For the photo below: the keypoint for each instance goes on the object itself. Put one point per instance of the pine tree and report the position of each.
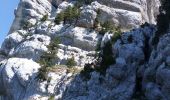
(107, 27)
(71, 62)
(47, 58)
(68, 15)
(59, 18)
(44, 18)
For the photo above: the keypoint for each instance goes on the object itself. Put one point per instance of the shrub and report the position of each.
(53, 46)
(44, 18)
(87, 2)
(85, 73)
(42, 74)
(96, 21)
(107, 27)
(98, 46)
(59, 18)
(73, 70)
(117, 34)
(79, 3)
(52, 97)
(71, 62)
(46, 59)
(107, 58)
(69, 15)
(26, 25)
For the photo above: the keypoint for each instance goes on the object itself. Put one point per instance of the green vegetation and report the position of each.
(52, 97)
(59, 18)
(47, 58)
(109, 27)
(104, 59)
(70, 15)
(116, 34)
(96, 21)
(98, 47)
(107, 58)
(26, 25)
(44, 18)
(85, 73)
(86, 2)
(73, 70)
(71, 62)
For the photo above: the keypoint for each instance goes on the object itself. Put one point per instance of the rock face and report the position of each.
(124, 13)
(16, 75)
(147, 9)
(120, 80)
(140, 71)
(157, 87)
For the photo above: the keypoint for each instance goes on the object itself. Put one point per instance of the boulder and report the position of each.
(16, 75)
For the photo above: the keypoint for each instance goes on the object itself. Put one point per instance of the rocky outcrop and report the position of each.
(19, 81)
(147, 8)
(17, 76)
(139, 71)
(156, 76)
(30, 11)
(120, 81)
(124, 13)
(136, 74)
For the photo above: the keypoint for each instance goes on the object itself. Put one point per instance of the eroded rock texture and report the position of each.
(140, 71)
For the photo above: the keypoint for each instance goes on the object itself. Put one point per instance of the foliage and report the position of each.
(98, 46)
(107, 27)
(52, 97)
(42, 73)
(44, 18)
(117, 34)
(87, 2)
(107, 58)
(73, 70)
(59, 18)
(104, 59)
(69, 15)
(79, 3)
(26, 25)
(96, 21)
(85, 73)
(71, 62)
(53, 46)
(47, 58)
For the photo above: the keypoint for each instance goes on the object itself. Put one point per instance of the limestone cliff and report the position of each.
(138, 70)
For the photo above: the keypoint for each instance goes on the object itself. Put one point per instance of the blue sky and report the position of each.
(7, 15)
